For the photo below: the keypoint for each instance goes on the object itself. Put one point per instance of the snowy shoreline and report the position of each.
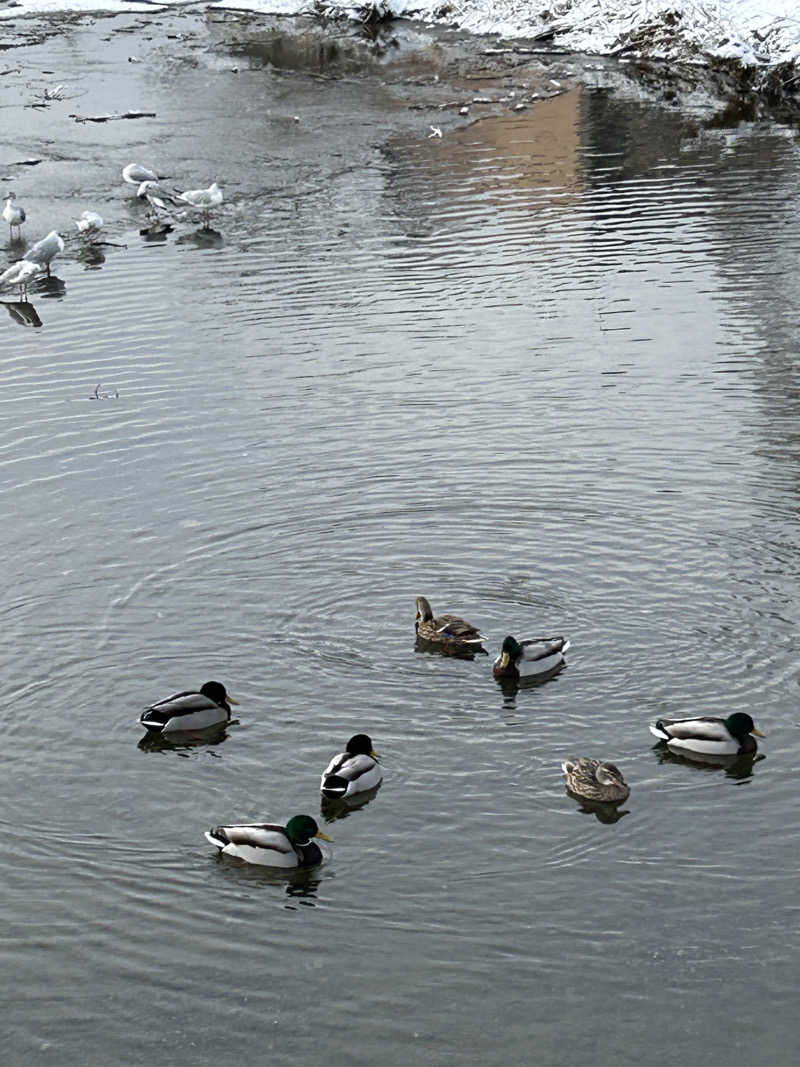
(758, 39)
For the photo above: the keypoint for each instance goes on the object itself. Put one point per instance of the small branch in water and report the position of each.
(114, 117)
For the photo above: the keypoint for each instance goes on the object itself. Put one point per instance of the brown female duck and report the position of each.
(591, 779)
(449, 633)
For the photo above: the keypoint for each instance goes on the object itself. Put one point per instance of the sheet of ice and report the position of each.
(750, 31)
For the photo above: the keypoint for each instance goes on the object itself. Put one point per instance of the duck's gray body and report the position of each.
(538, 655)
(264, 844)
(707, 734)
(184, 711)
(347, 775)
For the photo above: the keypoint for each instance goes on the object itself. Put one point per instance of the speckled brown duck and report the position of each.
(448, 633)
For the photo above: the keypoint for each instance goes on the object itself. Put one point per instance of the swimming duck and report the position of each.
(523, 659)
(190, 710)
(46, 250)
(203, 198)
(591, 779)
(270, 845)
(353, 771)
(14, 216)
(451, 633)
(710, 735)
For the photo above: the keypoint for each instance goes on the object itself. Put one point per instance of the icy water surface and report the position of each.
(540, 369)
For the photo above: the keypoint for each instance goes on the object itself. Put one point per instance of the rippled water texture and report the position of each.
(542, 370)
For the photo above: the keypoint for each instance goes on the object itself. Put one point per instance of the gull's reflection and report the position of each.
(23, 313)
(156, 231)
(91, 255)
(202, 238)
(50, 287)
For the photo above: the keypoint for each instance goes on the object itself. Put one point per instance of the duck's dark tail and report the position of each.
(334, 787)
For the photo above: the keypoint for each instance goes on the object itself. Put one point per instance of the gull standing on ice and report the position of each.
(21, 274)
(133, 174)
(14, 216)
(204, 199)
(89, 224)
(44, 251)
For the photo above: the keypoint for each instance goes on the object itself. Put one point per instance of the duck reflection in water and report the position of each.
(510, 684)
(739, 767)
(22, 312)
(333, 809)
(180, 741)
(603, 812)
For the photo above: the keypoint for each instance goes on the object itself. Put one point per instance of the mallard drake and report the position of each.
(710, 735)
(269, 845)
(353, 771)
(14, 215)
(190, 710)
(449, 632)
(592, 779)
(523, 659)
(46, 250)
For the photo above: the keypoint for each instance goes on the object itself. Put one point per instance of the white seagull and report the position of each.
(21, 274)
(14, 215)
(204, 199)
(89, 224)
(133, 174)
(44, 251)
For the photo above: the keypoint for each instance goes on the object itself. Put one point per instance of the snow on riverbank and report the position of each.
(751, 33)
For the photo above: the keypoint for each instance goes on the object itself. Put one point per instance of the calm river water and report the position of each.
(541, 370)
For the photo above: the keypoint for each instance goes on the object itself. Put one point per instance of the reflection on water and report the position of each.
(738, 767)
(603, 811)
(180, 740)
(545, 365)
(22, 312)
(510, 686)
(205, 237)
(333, 809)
(50, 287)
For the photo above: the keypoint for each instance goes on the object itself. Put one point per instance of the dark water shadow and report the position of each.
(603, 811)
(91, 256)
(181, 741)
(300, 884)
(156, 232)
(737, 767)
(205, 237)
(50, 288)
(21, 312)
(510, 686)
(332, 810)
